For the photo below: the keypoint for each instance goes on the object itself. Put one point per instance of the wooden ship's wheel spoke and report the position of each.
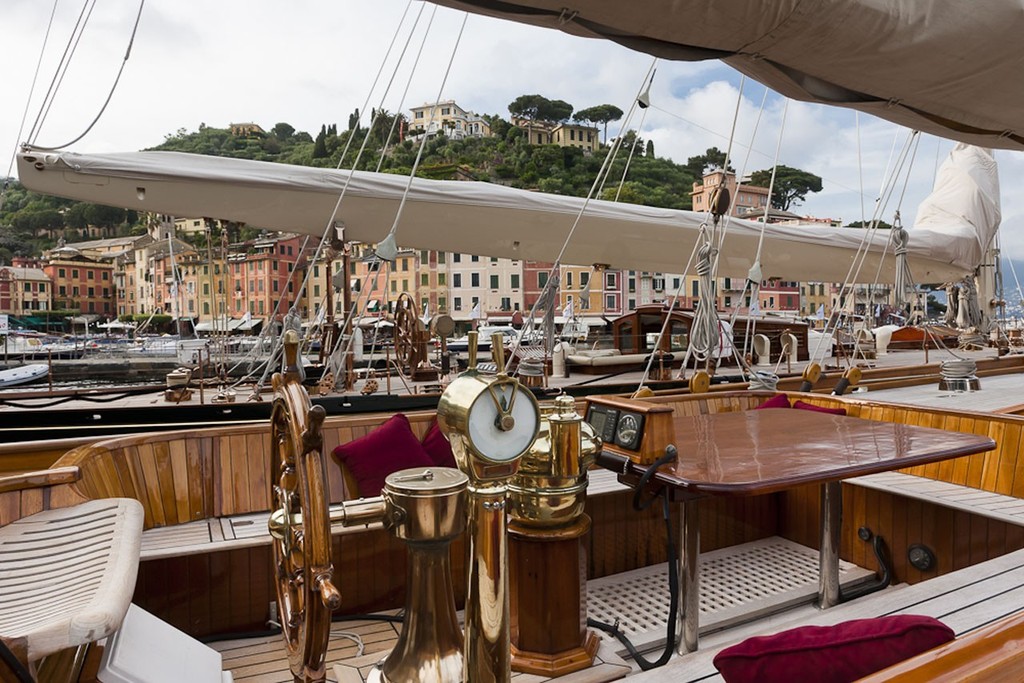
(405, 330)
(299, 524)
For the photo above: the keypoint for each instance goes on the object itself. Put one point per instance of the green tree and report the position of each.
(602, 113)
(555, 110)
(650, 149)
(282, 131)
(353, 120)
(700, 164)
(791, 185)
(320, 145)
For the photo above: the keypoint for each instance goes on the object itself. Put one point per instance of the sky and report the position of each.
(312, 63)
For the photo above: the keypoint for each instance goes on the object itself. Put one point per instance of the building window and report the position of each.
(424, 280)
(456, 279)
(610, 281)
(457, 303)
(515, 281)
(542, 279)
(74, 274)
(405, 264)
(568, 279)
(60, 272)
(474, 279)
(441, 279)
(474, 259)
(494, 282)
(456, 258)
(609, 302)
(695, 288)
(506, 303)
(584, 279)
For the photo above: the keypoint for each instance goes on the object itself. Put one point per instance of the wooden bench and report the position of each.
(68, 571)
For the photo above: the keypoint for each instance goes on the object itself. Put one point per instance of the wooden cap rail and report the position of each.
(988, 655)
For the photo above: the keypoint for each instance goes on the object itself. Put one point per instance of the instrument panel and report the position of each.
(623, 428)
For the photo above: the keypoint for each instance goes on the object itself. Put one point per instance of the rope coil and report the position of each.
(963, 368)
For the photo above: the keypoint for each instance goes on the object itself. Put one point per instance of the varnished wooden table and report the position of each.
(764, 451)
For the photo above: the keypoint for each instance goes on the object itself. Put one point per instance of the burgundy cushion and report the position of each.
(777, 401)
(800, 405)
(831, 654)
(435, 443)
(389, 448)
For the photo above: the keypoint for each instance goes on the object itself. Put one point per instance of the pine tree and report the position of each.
(320, 145)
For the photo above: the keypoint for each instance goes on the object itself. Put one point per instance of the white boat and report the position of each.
(23, 374)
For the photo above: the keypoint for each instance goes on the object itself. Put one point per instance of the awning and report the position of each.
(84, 319)
(244, 325)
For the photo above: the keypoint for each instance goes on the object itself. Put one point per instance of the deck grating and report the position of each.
(740, 583)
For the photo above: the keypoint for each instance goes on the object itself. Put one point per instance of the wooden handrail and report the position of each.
(39, 479)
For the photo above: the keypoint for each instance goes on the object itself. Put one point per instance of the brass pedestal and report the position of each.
(427, 508)
(548, 568)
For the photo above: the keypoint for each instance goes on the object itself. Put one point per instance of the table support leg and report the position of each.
(831, 526)
(689, 579)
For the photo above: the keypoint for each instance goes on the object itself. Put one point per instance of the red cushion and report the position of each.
(388, 448)
(435, 443)
(800, 405)
(777, 401)
(831, 654)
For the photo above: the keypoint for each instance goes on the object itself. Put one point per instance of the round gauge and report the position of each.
(627, 433)
(503, 422)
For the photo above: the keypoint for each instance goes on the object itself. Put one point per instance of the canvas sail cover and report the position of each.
(946, 67)
(479, 218)
(964, 208)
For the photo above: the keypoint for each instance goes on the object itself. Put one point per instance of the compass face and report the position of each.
(628, 431)
(503, 426)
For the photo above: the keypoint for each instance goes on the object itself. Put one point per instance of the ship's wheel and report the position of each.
(407, 332)
(299, 523)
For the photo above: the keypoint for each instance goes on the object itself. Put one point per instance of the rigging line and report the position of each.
(53, 81)
(401, 106)
(113, 87)
(423, 142)
(340, 347)
(751, 326)
(629, 159)
(864, 247)
(606, 169)
(331, 221)
(709, 276)
(28, 103)
(860, 167)
(63, 69)
(831, 181)
(545, 294)
(915, 136)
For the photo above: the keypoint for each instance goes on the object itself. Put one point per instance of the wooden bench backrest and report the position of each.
(184, 476)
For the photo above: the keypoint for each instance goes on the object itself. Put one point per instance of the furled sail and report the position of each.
(473, 217)
(946, 67)
(963, 208)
